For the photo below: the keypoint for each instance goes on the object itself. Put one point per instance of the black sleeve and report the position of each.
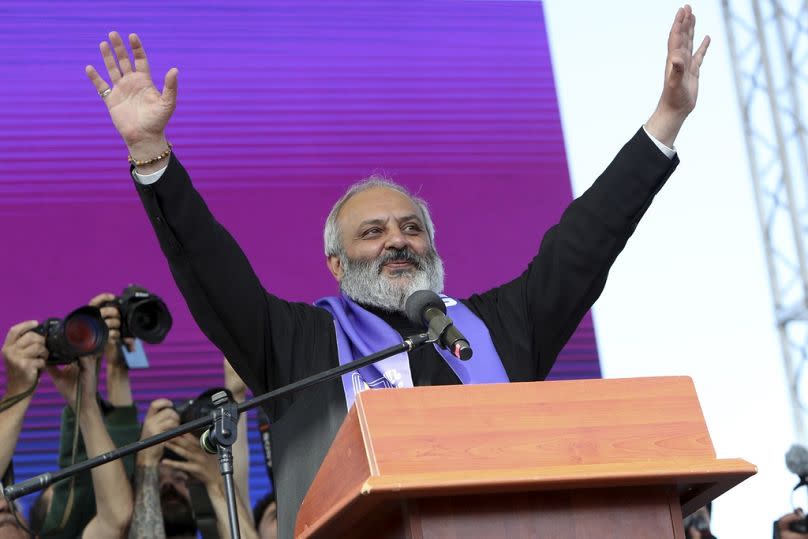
(270, 342)
(532, 317)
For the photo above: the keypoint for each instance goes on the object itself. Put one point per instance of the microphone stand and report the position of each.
(223, 432)
(223, 435)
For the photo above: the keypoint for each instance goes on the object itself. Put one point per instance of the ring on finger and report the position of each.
(105, 93)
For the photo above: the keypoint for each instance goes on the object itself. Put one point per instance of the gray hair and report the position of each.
(331, 232)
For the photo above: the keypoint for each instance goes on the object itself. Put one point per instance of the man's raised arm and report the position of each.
(570, 270)
(580, 250)
(222, 291)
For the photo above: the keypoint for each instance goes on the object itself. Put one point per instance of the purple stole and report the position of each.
(361, 333)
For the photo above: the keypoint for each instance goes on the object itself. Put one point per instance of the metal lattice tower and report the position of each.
(768, 40)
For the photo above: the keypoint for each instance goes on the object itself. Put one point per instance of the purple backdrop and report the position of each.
(282, 104)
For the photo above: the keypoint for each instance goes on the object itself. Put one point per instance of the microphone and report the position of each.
(424, 307)
(797, 462)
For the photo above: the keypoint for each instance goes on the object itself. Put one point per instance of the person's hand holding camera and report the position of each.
(24, 354)
(782, 528)
(82, 373)
(119, 391)
(160, 418)
(202, 466)
(205, 468)
(112, 318)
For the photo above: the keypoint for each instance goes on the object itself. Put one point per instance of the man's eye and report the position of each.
(411, 227)
(371, 231)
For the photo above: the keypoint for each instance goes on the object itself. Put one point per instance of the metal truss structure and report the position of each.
(768, 40)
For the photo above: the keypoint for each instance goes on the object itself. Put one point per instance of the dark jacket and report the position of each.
(271, 342)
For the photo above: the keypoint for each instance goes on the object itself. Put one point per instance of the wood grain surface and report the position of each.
(405, 454)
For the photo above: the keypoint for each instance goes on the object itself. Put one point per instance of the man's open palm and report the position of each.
(682, 68)
(138, 110)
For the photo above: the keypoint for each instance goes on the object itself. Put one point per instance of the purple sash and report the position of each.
(361, 333)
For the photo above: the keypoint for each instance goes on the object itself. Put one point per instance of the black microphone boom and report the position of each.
(39, 482)
(424, 307)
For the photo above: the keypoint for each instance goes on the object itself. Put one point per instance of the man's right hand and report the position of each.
(24, 353)
(160, 418)
(138, 110)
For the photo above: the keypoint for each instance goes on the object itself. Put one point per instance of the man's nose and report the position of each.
(396, 240)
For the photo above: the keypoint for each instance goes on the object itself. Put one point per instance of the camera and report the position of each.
(201, 406)
(143, 315)
(80, 333)
(799, 526)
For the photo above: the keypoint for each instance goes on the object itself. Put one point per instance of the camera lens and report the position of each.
(83, 333)
(150, 321)
(143, 315)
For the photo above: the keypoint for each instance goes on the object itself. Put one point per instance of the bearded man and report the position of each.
(379, 244)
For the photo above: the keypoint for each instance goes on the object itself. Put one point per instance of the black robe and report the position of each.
(271, 342)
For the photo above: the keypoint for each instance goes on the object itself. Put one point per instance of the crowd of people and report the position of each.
(171, 490)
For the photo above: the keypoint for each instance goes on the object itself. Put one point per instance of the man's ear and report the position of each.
(335, 267)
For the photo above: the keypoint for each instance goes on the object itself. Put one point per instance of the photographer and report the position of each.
(113, 496)
(162, 498)
(205, 468)
(67, 508)
(70, 507)
(24, 355)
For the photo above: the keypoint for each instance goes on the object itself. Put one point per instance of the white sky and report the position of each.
(690, 294)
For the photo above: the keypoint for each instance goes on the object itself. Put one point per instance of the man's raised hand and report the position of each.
(138, 110)
(681, 87)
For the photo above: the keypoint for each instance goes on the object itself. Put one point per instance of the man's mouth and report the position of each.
(399, 267)
(399, 264)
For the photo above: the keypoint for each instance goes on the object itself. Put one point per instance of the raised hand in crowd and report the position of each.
(119, 391)
(205, 468)
(113, 497)
(138, 110)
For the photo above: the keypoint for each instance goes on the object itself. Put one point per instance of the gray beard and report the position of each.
(364, 282)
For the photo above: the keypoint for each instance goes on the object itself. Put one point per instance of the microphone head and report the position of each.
(797, 460)
(418, 302)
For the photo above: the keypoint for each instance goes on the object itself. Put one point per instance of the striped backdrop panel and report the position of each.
(282, 104)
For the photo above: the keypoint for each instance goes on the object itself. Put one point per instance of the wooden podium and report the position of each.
(586, 458)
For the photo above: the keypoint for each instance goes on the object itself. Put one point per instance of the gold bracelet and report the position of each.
(166, 153)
